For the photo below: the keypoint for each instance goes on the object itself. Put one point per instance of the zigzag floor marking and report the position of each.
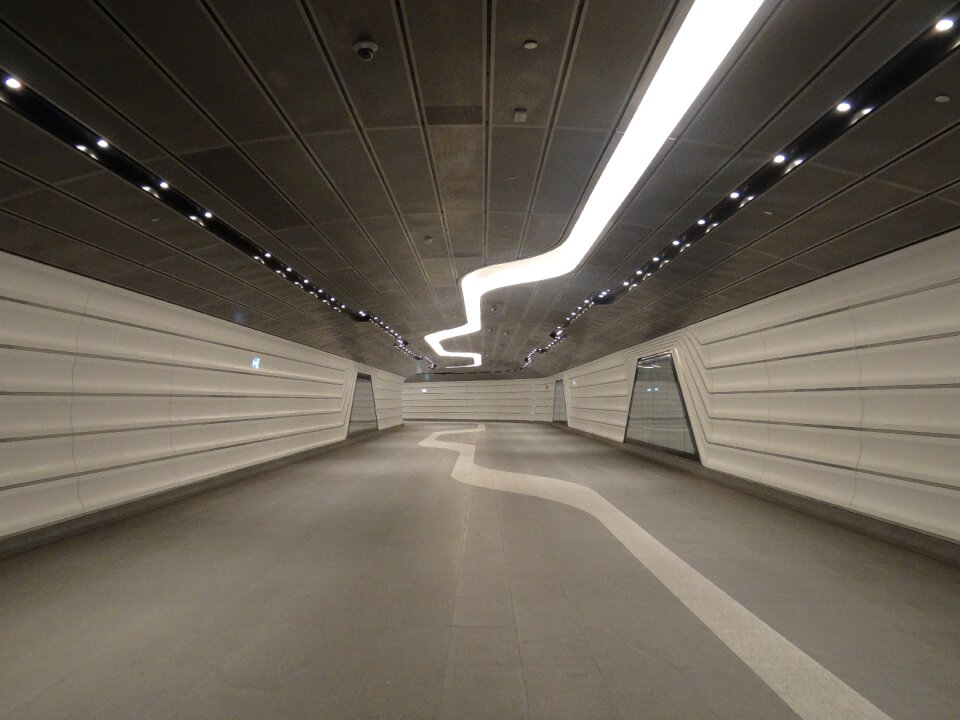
(808, 688)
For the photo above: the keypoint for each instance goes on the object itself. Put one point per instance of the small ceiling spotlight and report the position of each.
(102, 143)
(164, 185)
(942, 99)
(530, 44)
(701, 221)
(675, 243)
(844, 107)
(145, 188)
(266, 254)
(780, 158)
(208, 214)
(734, 195)
(13, 83)
(944, 25)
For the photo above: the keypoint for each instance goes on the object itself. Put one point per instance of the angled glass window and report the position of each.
(363, 412)
(658, 416)
(559, 403)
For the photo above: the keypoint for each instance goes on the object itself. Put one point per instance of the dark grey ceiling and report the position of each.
(387, 181)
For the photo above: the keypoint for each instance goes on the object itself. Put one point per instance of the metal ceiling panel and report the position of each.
(441, 30)
(380, 91)
(615, 41)
(571, 159)
(403, 157)
(299, 76)
(298, 177)
(349, 168)
(458, 153)
(528, 78)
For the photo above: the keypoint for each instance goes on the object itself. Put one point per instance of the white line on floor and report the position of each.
(812, 691)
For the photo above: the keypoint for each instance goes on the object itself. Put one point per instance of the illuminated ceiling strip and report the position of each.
(708, 32)
(925, 52)
(29, 104)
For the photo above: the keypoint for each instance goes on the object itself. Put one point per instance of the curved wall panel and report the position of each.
(529, 400)
(846, 389)
(107, 396)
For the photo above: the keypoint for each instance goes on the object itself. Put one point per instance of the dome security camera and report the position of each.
(365, 49)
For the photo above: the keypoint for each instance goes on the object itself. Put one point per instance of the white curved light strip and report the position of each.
(703, 41)
(806, 686)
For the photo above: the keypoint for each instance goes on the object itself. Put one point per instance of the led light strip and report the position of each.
(708, 32)
(925, 52)
(44, 114)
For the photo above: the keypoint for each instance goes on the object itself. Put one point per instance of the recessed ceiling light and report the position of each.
(675, 242)
(13, 83)
(701, 221)
(844, 107)
(103, 143)
(81, 148)
(208, 214)
(194, 218)
(145, 188)
(700, 45)
(734, 195)
(266, 254)
(944, 25)
(780, 158)
(163, 184)
(530, 44)
(656, 258)
(942, 98)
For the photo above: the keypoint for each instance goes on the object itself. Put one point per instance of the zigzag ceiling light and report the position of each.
(708, 32)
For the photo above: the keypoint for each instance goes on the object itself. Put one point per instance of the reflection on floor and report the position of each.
(367, 582)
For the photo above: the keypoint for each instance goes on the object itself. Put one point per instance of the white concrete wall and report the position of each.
(846, 389)
(530, 400)
(107, 396)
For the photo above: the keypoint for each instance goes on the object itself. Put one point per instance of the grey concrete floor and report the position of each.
(366, 583)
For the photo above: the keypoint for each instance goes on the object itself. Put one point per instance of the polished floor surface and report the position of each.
(367, 582)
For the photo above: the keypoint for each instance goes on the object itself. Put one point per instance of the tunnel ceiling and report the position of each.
(453, 148)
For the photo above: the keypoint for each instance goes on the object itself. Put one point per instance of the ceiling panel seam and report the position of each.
(236, 146)
(171, 155)
(410, 62)
(322, 44)
(255, 76)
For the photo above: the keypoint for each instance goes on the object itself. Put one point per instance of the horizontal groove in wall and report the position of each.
(169, 426)
(170, 333)
(827, 313)
(184, 366)
(175, 456)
